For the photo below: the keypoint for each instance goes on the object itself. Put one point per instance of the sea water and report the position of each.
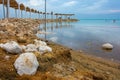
(86, 35)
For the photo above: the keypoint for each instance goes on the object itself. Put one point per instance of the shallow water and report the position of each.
(86, 35)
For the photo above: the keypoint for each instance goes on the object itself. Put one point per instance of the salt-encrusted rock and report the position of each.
(26, 64)
(39, 43)
(30, 48)
(12, 47)
(107, 46)
(43, 49)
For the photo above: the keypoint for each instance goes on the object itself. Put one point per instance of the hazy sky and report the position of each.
(82, 8)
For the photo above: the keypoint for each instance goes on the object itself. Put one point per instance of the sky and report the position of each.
(82, 8)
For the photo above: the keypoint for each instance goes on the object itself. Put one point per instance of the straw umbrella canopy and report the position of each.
(35, 11)
(5, 2)
(32, 10)
(0, 1)
(22, 7)
(27, 9)
(13, 4)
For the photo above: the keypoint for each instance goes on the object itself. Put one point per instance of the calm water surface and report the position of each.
(86, 35)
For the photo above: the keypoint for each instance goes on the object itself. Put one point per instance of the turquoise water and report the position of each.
(87, 35)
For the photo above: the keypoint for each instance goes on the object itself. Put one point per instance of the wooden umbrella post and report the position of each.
(8, 3)
(19, 10)
(21, 14)
(25, 13)
(52, 16)
(3, 8)
(30, 13)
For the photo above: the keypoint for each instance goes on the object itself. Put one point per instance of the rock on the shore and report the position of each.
(42, 46)
(107, 46)
(26, 64)
(30, 48)
(39, 43)
(43, 49)
(38, 46)
(12, 47)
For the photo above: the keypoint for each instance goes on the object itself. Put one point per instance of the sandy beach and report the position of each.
(61, 64)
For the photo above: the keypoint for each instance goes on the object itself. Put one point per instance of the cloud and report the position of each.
(114, 11)
(70, 3)
(36, 3)
(91, 8)
(97, 5)
(54, 0)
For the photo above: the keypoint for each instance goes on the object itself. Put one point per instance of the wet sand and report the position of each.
(61, 64)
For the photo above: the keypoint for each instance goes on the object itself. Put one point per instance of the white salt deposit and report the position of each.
(27, 64)
(39, 43)
(44, 49)
(30, 48)
(11, 47)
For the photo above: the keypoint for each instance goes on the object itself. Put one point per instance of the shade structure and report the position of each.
(0, 1)
(56, 15)
(27, 9)
(22, 7)
(32, 10)
(13, 4)
(36, 11)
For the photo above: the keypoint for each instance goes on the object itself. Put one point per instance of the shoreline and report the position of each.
(61, 64)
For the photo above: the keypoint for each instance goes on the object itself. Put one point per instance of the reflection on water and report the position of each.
(51, 26)
(86, 35)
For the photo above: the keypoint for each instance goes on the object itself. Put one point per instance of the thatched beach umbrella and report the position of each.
(35, 12)
(28, 10)
(22, 7)
(43, 15)
(51, 15)
(32, 10)
(40, 13)
(0, 1)
(14, 5)
(56, 14)
(60, 16)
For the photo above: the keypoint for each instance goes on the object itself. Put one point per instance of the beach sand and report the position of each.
(61, 64)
